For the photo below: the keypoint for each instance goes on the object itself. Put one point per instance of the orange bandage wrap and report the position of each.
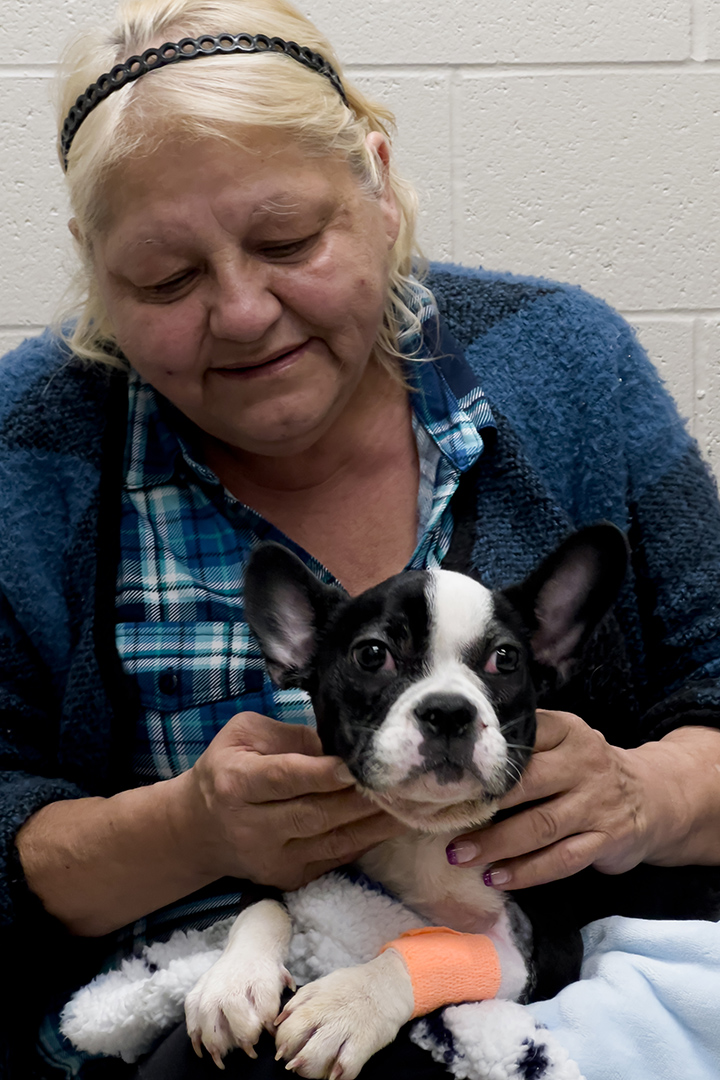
(447, 968)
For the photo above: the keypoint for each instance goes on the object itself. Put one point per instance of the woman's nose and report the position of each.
(244, 305)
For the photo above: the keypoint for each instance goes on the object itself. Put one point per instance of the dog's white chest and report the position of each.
(415, 868)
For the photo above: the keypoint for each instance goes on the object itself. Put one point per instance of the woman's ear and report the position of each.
(378, 146)
(75, 230)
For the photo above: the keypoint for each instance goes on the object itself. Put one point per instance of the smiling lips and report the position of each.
(274, 363)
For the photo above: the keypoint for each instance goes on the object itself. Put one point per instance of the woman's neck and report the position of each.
(351, 499)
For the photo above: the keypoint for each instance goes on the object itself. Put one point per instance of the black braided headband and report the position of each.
(187, 49)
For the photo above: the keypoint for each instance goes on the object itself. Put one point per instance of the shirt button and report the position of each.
(168, 682)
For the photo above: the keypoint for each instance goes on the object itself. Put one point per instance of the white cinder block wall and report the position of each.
(578, 139)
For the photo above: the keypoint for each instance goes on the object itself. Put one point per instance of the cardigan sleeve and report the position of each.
(674, 518)
(28, 742)
(53, 415)
(36, 948)
(587, 432)
(54, 711)
(621, 451)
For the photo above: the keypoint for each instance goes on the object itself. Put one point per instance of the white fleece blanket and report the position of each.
(646, 1007)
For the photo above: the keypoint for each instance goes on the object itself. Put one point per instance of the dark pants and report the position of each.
(175, 1059)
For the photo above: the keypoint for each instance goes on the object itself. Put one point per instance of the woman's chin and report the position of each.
(264, 433)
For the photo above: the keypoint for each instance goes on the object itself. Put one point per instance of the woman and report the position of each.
(265, 365)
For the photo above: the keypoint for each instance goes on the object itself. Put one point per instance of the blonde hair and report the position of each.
(220, 97)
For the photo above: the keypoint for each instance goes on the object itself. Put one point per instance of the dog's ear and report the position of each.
(286, 607)
(566, 597)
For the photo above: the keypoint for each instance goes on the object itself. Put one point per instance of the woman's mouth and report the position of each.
(277, 363)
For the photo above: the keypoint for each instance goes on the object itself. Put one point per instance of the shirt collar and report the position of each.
(160, 440)
(445, 395)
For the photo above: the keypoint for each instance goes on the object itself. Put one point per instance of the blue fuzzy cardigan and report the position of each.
(585, 431)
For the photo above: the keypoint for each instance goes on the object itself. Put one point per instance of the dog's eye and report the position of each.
(373, 656)
(503, 661)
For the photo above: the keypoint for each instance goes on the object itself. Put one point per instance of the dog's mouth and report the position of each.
(438, 779)
(426, 803)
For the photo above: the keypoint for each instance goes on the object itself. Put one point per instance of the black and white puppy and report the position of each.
(425, 687)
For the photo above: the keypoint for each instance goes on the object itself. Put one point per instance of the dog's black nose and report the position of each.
(446, 713)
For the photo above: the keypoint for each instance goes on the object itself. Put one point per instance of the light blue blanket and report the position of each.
(648, 1004)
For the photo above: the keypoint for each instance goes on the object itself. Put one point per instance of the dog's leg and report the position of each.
(240, 994)
(332, 1026)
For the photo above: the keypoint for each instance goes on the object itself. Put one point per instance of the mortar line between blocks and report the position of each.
(27, 71)
(21, 328)
(483, 70)
(698, 31)
(526, 70)
(678, 315)
(699, 377)
(456, 166)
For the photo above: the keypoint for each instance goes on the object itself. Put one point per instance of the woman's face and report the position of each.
(247, 285)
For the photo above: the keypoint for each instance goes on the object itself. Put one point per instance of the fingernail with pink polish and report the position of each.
(493, 878)
(461, 851)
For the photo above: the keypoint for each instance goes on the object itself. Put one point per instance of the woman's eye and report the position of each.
(373, 656)
(288, 249)
(503, 661)
(171, 286)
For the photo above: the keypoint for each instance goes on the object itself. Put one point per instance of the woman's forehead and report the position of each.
(268, 180)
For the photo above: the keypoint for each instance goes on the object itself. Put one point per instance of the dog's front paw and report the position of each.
(333, 1026)
(231, 1004)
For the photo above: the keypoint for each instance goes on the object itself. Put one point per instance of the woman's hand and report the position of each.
(263, 802)
(590, 803)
